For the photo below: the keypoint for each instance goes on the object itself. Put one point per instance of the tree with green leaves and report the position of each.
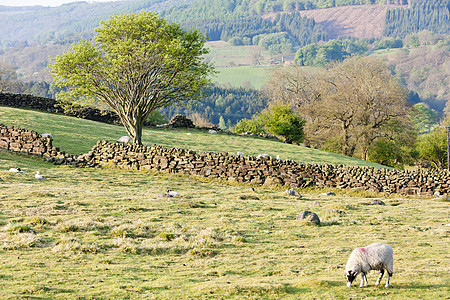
(432, 147)
(277, 119)
(137, 63)
(283, 122)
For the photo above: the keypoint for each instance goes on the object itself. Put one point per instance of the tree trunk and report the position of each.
(137, 139)
(134, 130)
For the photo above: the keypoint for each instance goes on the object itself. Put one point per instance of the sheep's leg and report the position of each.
(389, 274)
(363, 279)
(381, 276)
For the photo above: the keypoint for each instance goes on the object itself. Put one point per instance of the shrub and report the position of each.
(282, 121)
(248, 126)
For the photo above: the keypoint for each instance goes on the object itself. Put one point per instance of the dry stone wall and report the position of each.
(262, 171)
(265, 170)
(51, 105)
(30, 142)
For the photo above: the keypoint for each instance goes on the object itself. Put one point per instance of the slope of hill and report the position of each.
(70, 21)
(76, 136)
(360, 21)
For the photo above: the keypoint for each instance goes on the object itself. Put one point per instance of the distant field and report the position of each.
(236, 65)
(223, 54)
(78, 136)
(245, 76)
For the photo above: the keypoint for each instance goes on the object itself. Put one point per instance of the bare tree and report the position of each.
(347, 106)
(8, 79)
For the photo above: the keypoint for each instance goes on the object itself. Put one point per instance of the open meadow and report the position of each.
(112, 234)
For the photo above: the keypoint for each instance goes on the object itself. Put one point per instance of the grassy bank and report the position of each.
(78, 136)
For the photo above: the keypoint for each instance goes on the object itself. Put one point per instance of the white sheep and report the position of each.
(376, 256)
(124, 139)
(38, 175)
(171, 193)
(47, 135)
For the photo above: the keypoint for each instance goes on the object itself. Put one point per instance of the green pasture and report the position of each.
(244, 76)
(222, 54)
(112, 234)
(77, 136)
(235, 65)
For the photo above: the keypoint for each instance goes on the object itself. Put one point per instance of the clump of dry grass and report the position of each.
(72, 244)
(20, 241)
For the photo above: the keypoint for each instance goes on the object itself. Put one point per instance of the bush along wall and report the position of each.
(261, 171)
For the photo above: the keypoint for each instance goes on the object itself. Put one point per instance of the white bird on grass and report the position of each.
(38, 175)
(15, 170)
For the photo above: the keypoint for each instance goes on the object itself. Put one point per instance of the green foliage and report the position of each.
(392, 153)
(249, 126)
(232, 104)
(276, 43)
(235, 26)
(156, 118)
(222, 124)
(432, 147)
(138, 63)
(334, 50)
(236, 41)
(282, 121)
(279, 120)
(423, 117)
(388, 43)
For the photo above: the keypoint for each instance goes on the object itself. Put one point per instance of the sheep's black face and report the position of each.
(351, 275)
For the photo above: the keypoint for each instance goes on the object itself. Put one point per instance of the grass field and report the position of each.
(77, 136)
(235, 65)
(109, 234)
(244, 76)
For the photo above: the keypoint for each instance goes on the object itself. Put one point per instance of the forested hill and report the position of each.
(431, 15)
(68, 22)
(222, 19)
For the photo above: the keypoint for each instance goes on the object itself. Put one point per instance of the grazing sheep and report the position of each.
(376, 256)
(212, 131)
(14, 170)
(45, 135)
(124, 139)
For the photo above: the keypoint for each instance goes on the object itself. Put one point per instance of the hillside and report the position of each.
(359, 21)
(77, 136)
(68, 22)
